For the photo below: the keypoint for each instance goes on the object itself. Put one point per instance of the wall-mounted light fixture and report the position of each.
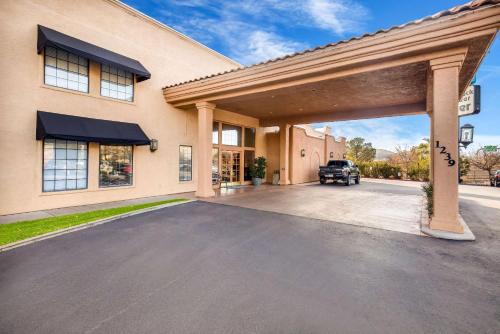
(331, 154)
(302, 152)
(153, 145)
(466, 135)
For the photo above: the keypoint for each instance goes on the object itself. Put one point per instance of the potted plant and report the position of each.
(258, 170)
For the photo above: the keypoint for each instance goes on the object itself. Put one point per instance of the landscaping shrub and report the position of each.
(379, 169)
(428, 190)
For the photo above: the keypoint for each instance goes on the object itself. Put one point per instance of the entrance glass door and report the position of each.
(230, 167)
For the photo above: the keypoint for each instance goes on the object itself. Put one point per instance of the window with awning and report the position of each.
(49, 37)
(68, 127)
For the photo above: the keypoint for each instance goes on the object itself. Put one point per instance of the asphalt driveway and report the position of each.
(210, 268)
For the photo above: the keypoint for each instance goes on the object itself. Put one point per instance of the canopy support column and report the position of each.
(284, 153)
(444, 145)
(205, 124)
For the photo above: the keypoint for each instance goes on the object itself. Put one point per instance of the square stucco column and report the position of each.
(205, 124)
(284, 154)
(444, 145)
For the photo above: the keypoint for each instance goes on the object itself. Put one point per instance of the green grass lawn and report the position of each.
(29, 228)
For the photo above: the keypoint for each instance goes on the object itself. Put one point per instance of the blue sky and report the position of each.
(251, 31)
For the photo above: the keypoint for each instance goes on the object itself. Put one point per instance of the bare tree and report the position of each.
(405, 157)
(485, 160)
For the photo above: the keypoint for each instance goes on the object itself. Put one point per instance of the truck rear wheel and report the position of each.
(322, 180)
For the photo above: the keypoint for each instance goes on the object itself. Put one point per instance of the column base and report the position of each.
(447, 225)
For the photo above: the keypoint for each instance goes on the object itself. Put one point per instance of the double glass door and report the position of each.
(230, 167)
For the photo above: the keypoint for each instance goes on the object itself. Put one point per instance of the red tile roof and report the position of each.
(469, 6)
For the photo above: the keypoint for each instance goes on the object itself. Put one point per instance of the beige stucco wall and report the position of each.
(305, 169)
(336, 147)
(273, 154)
(169, 56)
(317, 146)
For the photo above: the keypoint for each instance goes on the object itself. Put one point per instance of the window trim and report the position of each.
(115, 98)
(191, 163)
(64, 190)
(87, 92)
(99, 168)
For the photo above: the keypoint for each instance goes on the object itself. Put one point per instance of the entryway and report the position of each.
(230, 167)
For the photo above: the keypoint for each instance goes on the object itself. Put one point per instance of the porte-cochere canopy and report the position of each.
(385, 73)
(423, 66)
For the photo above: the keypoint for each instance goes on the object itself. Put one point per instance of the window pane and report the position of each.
(60, 185)
(49, 175)
(115, 166)
(215, 160)
(249, 137)
(61, 68)
(231, 135)
(61, 153)
(71, 164)
(185, 163)
(60, 164)
(81, 183)
(48, 185)
(50, 71)
(71, 174)
(71, 184)
(215, 133)
(59, 173)
(116, 83)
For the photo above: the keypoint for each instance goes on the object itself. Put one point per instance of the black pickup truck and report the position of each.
(339, 170)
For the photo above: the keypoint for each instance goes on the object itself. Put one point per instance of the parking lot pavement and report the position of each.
(385, 204)
(209, 268)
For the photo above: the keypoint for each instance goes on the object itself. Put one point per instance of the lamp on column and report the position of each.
(466, 135)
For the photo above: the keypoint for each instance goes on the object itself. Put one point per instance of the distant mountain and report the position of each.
(383, 155)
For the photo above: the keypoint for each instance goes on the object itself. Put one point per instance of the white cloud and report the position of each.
(340, 16)
(383, 133)
(252, 31)
(264, 45)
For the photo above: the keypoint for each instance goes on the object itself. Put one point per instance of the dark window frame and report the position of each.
(43, 169)
(132, 178)
(116, 98)
(45, 55)
(181, 162)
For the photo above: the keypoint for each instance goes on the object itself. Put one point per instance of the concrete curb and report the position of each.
(424, 228)
(86, 225)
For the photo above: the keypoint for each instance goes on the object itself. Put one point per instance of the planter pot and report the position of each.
(257, 181)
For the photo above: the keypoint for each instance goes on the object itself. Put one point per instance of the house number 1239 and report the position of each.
(448, 158)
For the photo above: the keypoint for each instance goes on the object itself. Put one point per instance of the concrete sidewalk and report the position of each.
(389, 205)
(6, 219)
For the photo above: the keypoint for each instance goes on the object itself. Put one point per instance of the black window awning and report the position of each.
(50, 37)
(59, 126)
